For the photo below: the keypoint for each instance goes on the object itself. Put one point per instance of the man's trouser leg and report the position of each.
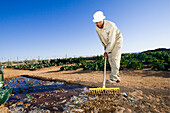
(114, 57)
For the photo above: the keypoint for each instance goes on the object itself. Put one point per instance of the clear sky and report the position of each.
(54, 28)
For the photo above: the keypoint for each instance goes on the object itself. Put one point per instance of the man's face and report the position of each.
(99, 24)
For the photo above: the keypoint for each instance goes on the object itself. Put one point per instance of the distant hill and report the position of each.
(159, 49)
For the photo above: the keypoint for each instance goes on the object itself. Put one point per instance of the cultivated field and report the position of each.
(150, 89)
(61, 85)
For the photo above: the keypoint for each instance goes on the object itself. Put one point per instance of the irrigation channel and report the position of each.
(33, 95)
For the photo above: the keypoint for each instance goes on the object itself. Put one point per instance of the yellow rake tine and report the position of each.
(103, 91)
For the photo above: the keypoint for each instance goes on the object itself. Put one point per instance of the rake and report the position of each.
(104, 90)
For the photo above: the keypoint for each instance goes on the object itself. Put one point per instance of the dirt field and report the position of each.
(154, 85)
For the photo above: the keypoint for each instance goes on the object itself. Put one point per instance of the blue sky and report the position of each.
(54, 28)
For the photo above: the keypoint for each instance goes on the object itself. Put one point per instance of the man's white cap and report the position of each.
(98, 16)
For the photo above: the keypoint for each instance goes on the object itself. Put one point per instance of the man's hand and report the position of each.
(105, 55)
(105, 48)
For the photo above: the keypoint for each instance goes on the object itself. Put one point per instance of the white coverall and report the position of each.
(112, 39)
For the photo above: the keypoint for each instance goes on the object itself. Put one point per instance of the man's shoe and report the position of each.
(116, 78)
(118, 81)
(113, 81)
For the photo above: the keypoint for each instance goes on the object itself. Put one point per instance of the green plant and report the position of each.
(134, 64)
(160, 65)
(152, 60)
(1, 77)
(4, 94)
(28, 96)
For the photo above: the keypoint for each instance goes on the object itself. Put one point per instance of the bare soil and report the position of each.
(154, 85)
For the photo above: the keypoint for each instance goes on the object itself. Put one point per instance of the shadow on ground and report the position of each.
(80, 72)
(52, 71)
(160, 74)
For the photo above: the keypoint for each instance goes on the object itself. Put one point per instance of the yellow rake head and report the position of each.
(103, 91)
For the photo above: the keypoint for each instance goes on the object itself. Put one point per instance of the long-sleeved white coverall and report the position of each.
(112, 39)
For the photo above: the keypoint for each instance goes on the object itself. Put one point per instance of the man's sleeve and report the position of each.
(112, 36)
(100, 38)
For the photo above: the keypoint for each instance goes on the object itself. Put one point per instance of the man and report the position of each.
(112, 41)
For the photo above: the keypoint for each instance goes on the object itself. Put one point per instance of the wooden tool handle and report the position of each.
(104, 75)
